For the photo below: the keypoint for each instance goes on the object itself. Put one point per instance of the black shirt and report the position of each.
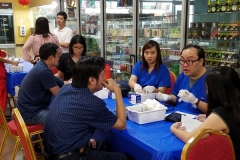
(234, 130)
(66, 65)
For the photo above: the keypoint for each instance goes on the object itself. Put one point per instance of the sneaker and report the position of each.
(37, 149)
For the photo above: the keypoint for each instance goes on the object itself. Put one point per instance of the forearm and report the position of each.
(160, 89)
(120, 108)
(64, 45)
(5, 60)
(202, 106)
(131, 83)
(173, 99)
(181, 134)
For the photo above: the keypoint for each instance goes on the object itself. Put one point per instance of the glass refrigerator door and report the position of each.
(215, 27)
(161, 21)
(90, 25)
(119, 38)
(70, 7)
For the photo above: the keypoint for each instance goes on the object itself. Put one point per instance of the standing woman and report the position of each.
(41, 35)
(77, 49)
(150, 73)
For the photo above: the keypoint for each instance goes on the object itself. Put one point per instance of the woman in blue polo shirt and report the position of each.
(150, 75)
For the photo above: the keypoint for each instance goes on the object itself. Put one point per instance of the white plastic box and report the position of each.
(136, 114)
(18, 68)
(141, 97)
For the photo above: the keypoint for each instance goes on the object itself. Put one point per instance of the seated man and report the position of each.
(39, 85)
(189, 90)
(75, 113)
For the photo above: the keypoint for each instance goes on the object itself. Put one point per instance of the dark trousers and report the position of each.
(100, 153)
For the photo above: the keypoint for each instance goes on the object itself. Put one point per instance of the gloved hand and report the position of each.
(138, 88)
(163, 97)
(186, 96)
(148, 89)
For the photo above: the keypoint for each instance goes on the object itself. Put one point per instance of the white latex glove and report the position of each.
(163, 97)
(138, 88)
(186, 96)
(148, 89)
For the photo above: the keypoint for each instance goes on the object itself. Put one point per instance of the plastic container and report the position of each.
(107, 71)
(137, 115)
(13, 69)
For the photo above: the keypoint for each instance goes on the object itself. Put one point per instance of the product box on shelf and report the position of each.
(137, 115)
(213, 6)
(140, 97)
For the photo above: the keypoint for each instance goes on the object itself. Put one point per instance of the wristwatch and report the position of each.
(196, 104)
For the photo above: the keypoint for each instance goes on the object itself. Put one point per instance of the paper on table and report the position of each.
(190, 123)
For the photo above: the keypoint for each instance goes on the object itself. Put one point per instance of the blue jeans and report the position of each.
(39, 118)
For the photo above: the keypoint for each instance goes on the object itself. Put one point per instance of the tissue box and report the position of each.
(103, 94)
(18, 68)
(137, 115)
(138, 98)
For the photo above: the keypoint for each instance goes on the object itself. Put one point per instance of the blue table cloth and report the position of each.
(15, 79)
(152, 141)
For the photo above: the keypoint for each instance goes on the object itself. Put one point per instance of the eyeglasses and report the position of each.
(188, 62)
(78, 48)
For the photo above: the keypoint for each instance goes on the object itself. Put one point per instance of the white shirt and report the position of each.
(64, 36)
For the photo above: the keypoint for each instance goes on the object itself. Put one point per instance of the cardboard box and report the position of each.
(138, 98)
(137, 114)
(103, 94)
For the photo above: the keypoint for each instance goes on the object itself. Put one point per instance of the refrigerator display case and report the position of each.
(49, 11)
(215, 27)
(117, 30)
(90, 26)
(161, 21)
(70, 7)
(119, 38)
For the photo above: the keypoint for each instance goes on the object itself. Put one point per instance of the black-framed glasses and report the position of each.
(78, 48)
(188, 62)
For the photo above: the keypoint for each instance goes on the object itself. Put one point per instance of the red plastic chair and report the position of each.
(173, 78)
(10, 129)
(208, 144)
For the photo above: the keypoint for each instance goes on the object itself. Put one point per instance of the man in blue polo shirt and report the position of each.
(189, 90)
(39, 85)
(76, 113)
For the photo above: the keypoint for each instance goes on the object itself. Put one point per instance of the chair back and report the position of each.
(208, 144)
(55, 70)
(24, 135)
(173, 78)
(3, 121)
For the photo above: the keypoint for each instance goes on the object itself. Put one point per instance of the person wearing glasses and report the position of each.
(150, 75)
(77, 49)
(223, 94)
(189, 89)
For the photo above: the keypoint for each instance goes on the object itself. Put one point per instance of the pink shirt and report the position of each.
(34, 42)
